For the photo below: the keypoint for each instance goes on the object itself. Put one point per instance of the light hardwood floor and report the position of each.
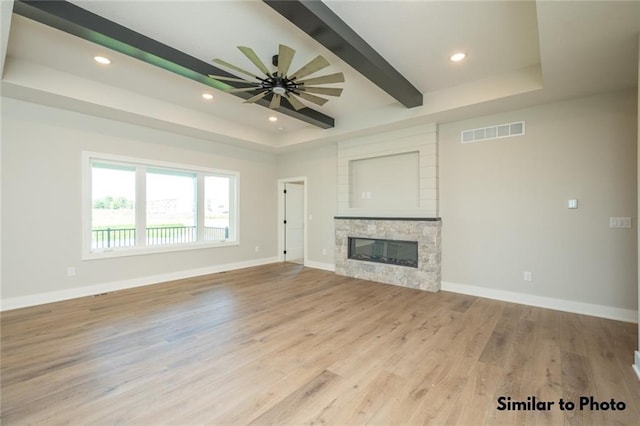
(283, 344)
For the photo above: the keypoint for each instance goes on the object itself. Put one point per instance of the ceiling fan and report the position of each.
(279, 84)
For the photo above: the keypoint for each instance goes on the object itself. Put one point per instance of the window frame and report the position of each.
(141, 165)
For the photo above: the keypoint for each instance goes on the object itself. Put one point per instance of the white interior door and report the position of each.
(294, 222)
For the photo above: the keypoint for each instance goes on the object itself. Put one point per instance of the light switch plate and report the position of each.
(620, 222)
(572, 204)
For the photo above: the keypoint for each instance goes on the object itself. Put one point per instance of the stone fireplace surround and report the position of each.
(426, 231)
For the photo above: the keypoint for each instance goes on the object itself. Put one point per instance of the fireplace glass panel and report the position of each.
(394, 252)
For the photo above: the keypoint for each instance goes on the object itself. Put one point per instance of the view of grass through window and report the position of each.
(113, 217)
(171, 208)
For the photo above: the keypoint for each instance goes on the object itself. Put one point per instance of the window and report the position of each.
(113, 213)
(137, 206)
(171, 207)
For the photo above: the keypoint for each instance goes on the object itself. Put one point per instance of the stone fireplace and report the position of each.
(399, 251)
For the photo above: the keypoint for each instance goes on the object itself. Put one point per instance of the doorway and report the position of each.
(292, 229)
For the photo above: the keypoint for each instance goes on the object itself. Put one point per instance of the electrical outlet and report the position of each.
(528, 276)
(71, 271)
(324, 252)
(257, 249)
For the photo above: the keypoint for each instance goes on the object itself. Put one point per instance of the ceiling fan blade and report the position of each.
(325, 79)
(295, 103)
(285, 56)
(318, 63)
(313, 98)
(233, 67)
(331, 91)
(275, 101)
(238, 80)
(256, 97)
(242, 89)
(249, 53)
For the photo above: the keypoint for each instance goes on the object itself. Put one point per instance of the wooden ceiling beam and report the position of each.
(320, 22)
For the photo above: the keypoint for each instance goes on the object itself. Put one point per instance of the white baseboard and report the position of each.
(320, 265)
(73, 293)
(636, 365)
(609, 312)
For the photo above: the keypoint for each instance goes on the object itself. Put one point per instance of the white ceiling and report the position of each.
(519, 53)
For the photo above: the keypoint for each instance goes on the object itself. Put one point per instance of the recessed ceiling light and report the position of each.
(207, 96)
(457, 57)
(273, 119)
(102, 60)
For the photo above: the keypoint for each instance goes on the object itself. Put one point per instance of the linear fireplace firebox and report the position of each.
(394, 252)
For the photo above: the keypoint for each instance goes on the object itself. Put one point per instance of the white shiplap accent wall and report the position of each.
(421, 139)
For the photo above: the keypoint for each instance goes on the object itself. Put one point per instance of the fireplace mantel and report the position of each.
(425, 231)
(428, 219)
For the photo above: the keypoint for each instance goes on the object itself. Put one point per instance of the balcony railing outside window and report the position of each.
(117, 238)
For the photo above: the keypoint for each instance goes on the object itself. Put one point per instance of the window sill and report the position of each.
(137, 251)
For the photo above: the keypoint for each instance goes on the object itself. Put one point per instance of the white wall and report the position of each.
(420, 139)
(41, 208)
(375, 182)
(6, 8)
(320, 168)
(637, 354)
(504, 204)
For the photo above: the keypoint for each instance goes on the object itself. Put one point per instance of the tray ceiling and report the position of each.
(519, 53)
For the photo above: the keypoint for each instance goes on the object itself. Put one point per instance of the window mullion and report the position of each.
(87, 211)
(200, 201)
(233, 208)
(141, 206)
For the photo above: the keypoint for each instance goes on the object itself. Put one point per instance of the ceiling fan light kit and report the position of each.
(279, 84)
